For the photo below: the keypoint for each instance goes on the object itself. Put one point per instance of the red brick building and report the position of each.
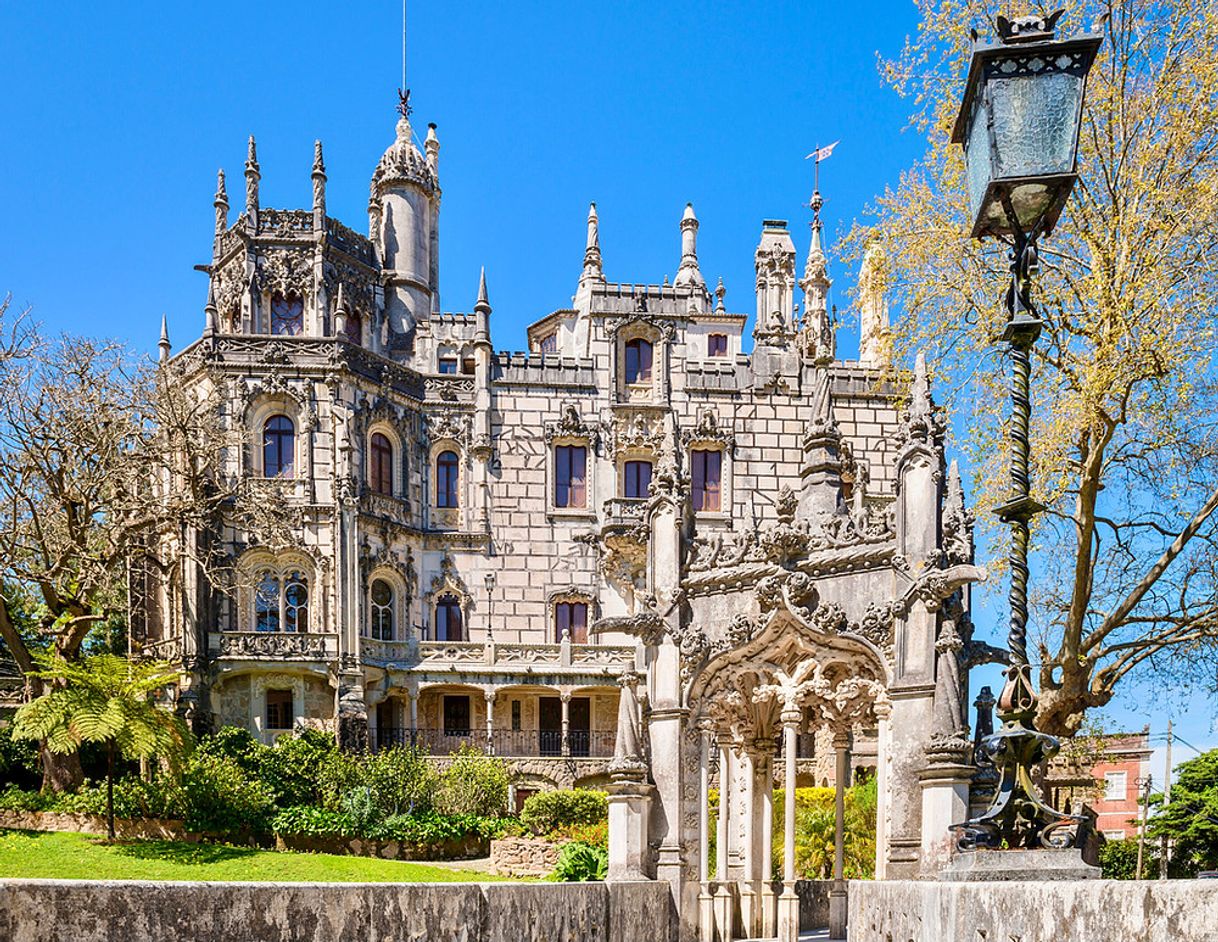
(1105, 773)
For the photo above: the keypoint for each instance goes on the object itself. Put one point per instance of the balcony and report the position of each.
(508, 743)
(493, 657)
(276, 645)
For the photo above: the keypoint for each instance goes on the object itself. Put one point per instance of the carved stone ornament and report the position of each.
(571, 425)
(286, 271)
(449, 426)
(647, 626)
(640, 432)
(707, 431)
(448, 580)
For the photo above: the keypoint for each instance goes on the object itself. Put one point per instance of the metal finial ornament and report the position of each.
(404, 108)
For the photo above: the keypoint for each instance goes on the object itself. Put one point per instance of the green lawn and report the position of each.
(58, 855)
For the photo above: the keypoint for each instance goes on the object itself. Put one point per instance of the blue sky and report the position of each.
(118, 115)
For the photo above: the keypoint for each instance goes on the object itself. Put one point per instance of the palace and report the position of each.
(635, 556)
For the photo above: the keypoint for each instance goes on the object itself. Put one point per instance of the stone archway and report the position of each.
(754, 700)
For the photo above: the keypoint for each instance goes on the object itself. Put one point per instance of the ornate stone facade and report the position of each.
(635, 538)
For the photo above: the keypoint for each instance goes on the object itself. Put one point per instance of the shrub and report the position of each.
(312, 821)
(18, 799)
(294, 766)
(234, 743)
(222, 799)
(1119, 859)
(162, 797)
(473, 783)
(597, 835)
(18, 761)
(401, 780)
(357, 805)
(547, 812)
(581, 862)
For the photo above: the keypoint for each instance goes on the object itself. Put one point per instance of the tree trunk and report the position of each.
(60, 773)
(110, 790)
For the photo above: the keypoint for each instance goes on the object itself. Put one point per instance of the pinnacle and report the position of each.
(319, 165)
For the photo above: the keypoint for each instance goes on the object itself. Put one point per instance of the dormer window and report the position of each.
(716, 345)
(287, 315)
(548, 344)
(638, 361)
(448, 366)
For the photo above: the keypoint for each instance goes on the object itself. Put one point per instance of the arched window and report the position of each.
(382, 610)
(380, 468)
(570, 475)
(296, 603)
(572, 617)
(278, 447)
(266, 603)
(354, 328)
(638, 361)
(636, 479)
(446, 479)
(448, 619)
(287, 314)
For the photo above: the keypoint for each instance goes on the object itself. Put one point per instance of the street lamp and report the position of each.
(1019, 126)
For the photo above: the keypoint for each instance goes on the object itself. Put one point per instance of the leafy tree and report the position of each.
(1190, 820)
(104, 699)
(1125, 450)
(815, 827)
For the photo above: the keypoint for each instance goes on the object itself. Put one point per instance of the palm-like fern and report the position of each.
(104, 699)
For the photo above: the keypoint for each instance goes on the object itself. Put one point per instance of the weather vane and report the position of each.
(821, 153)
(404, 108)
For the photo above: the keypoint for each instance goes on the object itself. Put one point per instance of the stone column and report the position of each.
(706, 908)
(883, 745)
(723, 894)
(765, 854)
(748, 844)
(489, 695)
(788, 903)
(413, 694)
(837, 895)
(565, 697)
(629, 793)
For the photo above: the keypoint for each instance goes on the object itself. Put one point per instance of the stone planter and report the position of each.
(463, 848)
(127, 829)
(523, 856)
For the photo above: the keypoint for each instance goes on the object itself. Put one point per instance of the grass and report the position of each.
(64, 856)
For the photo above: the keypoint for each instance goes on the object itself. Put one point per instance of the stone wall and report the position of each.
(127, 829)
(523, 857)
(87, 911)
(1047, 911)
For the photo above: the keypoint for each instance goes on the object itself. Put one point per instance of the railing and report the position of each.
(620, 511)
(509, 743)
(282, 645)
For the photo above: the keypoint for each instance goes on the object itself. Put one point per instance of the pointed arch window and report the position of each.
(382, 610)
(638, 361)
(287, 314)
(266, 603)
(380, 467)
(296, 603)
(449, 625)
(278, 447)
(354, 328)
(447, 476)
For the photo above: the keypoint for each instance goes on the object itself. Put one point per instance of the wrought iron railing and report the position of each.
(509, 743)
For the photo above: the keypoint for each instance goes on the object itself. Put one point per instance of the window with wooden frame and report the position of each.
(279, 709)
(706, 471)
(571, 617)
(570, 476)
(380, 464)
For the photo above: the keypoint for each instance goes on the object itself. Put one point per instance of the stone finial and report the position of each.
(340, 313)
(319, 187)
(818, 339)
(920, 403)
(163, 348)
(432, 147)
(720, 292)
(873, 306)
(210, 312)
(593, 269)
(483, 302)
(689, 275)
(957, 521)
(252, 176)
(482, 312)
(221, 204)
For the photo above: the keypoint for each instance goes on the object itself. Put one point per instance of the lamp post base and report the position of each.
(997, 865)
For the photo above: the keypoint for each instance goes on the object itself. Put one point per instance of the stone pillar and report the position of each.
(724, 908)
(788, 903)
(945, 787)
(883, 745)
(837, 895)
(629, 794)
(413, 694)
(765, 853)
(706, 908)
(565, 697)
(489, 695)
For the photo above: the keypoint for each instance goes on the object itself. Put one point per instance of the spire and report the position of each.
(817, 327)
(211, 315)
(221, 204)
(689, 275)
(592, 251)
(873, 306)
(252, 176)
(920, 403)
(957, 525)
(482, 311)
(720, 292)
(319, 188)
(340, 313)
(163, 343)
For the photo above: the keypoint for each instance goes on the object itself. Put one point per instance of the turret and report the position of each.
(689, 275)
(210, 313)
(775, 264)
(405, 210)
(593, 269)
(163, 348)
(252, 176)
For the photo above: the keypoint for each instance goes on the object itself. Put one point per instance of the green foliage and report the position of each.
(222, 799)
(547, 812)
(358, 807)
(400, 780)
(236, 743)
(815, 826)
(473, 783)
(18, 760)
(133, 798)
(104, 699)
(1119, 860)
(422, 828)
(1190, 820)
(20, 799)
(293, 767)
(580, 862)
(312, 821)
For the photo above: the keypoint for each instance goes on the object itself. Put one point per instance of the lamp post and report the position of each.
(1019, 126)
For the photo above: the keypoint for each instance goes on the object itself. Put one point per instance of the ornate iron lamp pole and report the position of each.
(1019, 124)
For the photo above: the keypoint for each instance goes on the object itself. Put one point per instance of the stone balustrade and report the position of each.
(276, 645)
